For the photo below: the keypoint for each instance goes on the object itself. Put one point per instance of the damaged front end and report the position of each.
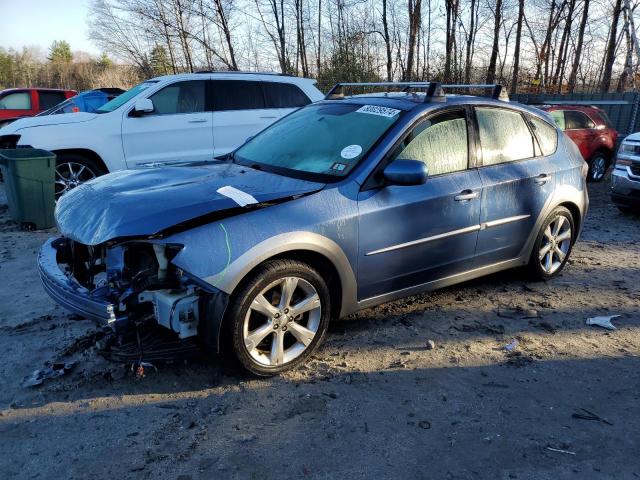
(128, 283)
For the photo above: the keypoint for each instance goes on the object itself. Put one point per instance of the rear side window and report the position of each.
(504, 136)
(16, 101)
(440, 142)
(50, 99)
(575, 120)
(558, 117)
(237, 95)
(181, 97)
(284, 95)
(546, 134)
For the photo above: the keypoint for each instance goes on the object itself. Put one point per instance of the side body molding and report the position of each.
(286, 242)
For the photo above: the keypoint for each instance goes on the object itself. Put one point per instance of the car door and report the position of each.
(180, 128)
(16, 104)
(239, 112)
(411, 235)
(582, 130)
(516, 183)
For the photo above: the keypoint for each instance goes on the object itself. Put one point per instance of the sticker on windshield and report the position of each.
(352, 151)
(380, 111)
(338, 166)
(238, 196)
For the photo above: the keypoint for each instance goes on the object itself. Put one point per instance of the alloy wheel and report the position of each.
(282, 321)
(555, 244)
(71, 174)
(598, 167)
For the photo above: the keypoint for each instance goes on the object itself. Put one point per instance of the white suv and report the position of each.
(174, 118)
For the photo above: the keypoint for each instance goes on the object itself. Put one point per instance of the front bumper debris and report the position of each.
(70, 294)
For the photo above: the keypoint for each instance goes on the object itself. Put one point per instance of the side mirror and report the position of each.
(142, 106)
(406, 172)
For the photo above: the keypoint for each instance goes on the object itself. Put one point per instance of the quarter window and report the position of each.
(181, 97)
(237, 95)
(16, 101)
(284, 95)
(504, 136)
(50, 99)
(440, 142)
(546, 134)
(575, 120)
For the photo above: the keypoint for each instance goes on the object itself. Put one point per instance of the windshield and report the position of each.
(327, 139)
(125, 97)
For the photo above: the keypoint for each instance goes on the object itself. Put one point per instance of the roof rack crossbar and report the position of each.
(498, 91)
(432, 88)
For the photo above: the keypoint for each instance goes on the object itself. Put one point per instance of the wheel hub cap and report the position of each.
(555, 244)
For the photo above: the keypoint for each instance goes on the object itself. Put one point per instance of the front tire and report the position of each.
(73, 170)
(553, 244)
(280, 317)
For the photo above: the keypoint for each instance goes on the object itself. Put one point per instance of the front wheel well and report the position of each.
(319, 262)
(84, 152)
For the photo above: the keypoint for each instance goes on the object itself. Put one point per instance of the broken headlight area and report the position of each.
(138, 279)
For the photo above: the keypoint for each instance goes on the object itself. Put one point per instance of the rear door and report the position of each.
(16, 104)
(180, 128)
(516, 179)
(239, 112)
(411, 235)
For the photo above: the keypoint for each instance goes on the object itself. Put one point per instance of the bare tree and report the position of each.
(491, 71)
(415, 14)
(578, 53)
(516, 56)
(611, 48)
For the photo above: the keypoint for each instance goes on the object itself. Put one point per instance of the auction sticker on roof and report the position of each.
(380, 111)
(352, 151)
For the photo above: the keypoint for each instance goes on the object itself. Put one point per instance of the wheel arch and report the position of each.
(575, 213)
(318, 251)
(84, 152)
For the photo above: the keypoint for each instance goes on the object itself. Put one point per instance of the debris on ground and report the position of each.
(604, 322)
(51, 370)
(584, 414)
(430, 344)
(512, 345)
(518, 313)
(560, 450)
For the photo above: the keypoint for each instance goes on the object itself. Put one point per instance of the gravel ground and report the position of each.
(379, 400)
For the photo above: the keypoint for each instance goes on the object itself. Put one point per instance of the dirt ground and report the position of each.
(374, 402)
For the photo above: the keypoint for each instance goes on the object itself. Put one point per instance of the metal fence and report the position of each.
(622, 108)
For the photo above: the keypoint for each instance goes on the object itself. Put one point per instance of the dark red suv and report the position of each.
(26, 102)
(590, 129)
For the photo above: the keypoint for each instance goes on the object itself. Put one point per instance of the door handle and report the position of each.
(542, 178)
(465, 196)
(197, 120)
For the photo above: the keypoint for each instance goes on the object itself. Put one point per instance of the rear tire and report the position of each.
(278, 318)
(598, 166)
(72, 170)
(553, 244)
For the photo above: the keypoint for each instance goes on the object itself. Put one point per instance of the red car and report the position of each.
(27, 102)
(591, 130)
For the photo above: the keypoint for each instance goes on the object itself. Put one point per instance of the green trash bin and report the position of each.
(29, 178)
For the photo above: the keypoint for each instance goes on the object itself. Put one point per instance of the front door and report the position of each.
(517, 180)
(411, 235)
(180, 128)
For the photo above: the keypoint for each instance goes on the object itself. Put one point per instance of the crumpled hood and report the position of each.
(45, 120)
(145, 202)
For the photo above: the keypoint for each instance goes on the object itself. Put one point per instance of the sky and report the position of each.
(40, 22)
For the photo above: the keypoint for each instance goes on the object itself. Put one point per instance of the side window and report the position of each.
(440, 142)
(181, 97)
(558, 117)
(237, 95)
(575, 120)
(546, 134)
(50, 99)
(284, 95)
(504, 136)
(16, 101)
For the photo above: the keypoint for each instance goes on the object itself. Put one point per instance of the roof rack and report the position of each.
(244, 72)
(433, 90)
(498, 92)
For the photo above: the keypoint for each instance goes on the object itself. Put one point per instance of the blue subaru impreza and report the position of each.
(344, 204)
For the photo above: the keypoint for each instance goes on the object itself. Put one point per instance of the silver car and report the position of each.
(625, 178)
